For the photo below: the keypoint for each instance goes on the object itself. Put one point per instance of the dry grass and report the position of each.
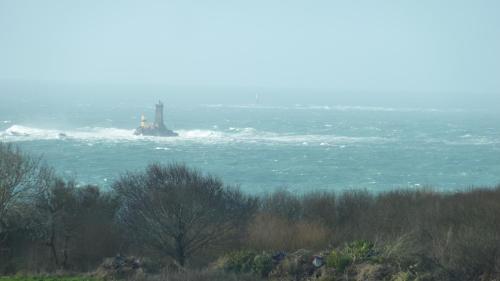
(271, 232)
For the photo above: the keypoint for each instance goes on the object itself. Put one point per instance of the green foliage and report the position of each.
(338, 260)
(247, 261)
(262, 264)
(359, 250)
(353, 252)
(240, 261)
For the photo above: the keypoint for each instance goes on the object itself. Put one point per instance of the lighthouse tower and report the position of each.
(159, 116)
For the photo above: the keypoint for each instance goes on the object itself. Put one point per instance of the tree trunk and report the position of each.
(65, 252)
(3, 234)
(54, 253)
(180, 250)
(52, 244)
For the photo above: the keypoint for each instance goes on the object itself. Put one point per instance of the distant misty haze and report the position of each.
(394, 53)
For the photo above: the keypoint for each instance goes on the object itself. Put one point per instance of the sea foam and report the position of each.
(231, 135)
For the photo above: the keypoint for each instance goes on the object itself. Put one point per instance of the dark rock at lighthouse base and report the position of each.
(158, 132)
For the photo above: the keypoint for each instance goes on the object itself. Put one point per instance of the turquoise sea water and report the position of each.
(264, 147)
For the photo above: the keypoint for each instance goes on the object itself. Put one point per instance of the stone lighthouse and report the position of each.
(159, 116)
(158, 128)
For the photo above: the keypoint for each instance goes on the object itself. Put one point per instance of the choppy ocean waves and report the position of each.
(17, 133)
(333, 108)
(232, 135)
(466, 140)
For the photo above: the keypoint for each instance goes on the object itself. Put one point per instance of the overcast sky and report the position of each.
(380, 46)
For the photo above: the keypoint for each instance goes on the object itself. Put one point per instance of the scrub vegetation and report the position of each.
(171, 222)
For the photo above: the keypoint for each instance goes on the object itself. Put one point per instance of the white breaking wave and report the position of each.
(162, 148)
(232, 135)
(466, 140)
(20, 133)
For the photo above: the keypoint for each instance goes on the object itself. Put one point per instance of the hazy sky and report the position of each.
(424, 46)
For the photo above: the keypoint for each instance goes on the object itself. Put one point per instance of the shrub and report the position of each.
(248, 261)
(294, 266)
(338, 260)
(401, 276)
(359, 250)
(239, 261)
(354, 251)
(262, 264)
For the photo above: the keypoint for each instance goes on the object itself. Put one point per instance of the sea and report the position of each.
(263, 147)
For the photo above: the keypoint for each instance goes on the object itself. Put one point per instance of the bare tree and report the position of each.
(66, 219)
(179, 211)
(57, 215)
(18, 176)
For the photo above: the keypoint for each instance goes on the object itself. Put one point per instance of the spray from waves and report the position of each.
(24, 133)
(232, 135)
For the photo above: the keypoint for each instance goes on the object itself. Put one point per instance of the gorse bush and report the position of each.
(239, 261)
(359, 250)
(248, 261)
(353, 252)
(262, 264)
(338, 260)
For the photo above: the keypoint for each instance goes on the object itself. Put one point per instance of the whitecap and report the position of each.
(232, 135)
(473, 140)
(162, 148)
(23, 131)
(20, 133)
(200, 134)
